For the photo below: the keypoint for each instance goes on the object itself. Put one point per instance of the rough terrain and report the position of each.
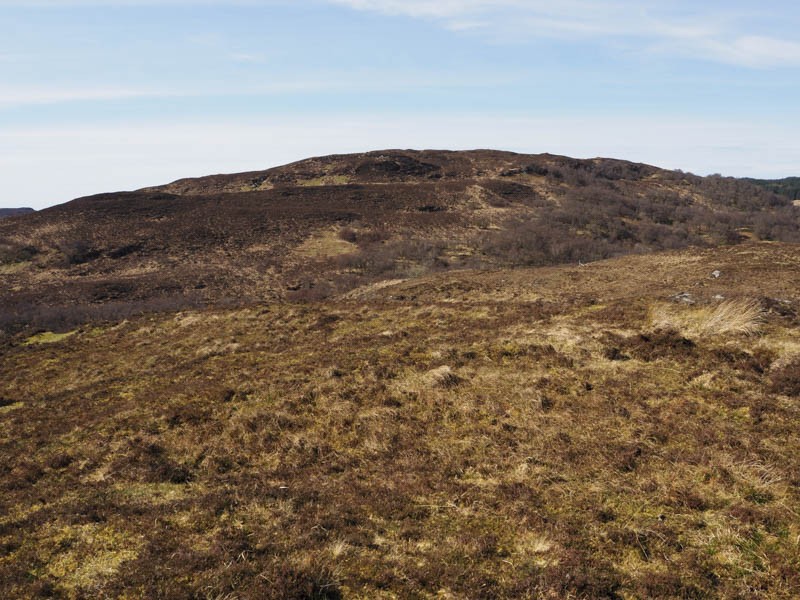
(609, 431)
(367, 377)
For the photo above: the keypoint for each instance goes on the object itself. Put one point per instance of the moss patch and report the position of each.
(82, 556)
(14, 267)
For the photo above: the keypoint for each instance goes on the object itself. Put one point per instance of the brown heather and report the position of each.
(528, 435)
(614, 430)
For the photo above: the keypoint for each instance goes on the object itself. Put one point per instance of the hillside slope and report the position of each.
(626, 429)
(322, 227)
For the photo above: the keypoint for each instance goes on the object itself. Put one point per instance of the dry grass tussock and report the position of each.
(742, 316)
(443, 377)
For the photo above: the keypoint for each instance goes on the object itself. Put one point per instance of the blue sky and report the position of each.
(102, 95)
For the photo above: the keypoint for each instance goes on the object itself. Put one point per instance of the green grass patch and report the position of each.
(326, 180)
(14, 267)
(48, 337)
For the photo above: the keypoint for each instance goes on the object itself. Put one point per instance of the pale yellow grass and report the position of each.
(741, 316)
(325, 244)
(366, 290)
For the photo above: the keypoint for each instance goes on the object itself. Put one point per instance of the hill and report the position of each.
(624, 429)
(322, 227)
(10, 212)
(404, 374)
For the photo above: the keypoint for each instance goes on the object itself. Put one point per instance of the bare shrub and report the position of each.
(14, 253)
(310, 291)
(348, 235)
(77, 252)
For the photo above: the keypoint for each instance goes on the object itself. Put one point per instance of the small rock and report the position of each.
(683, 297)
(716, 274)
(719, 297)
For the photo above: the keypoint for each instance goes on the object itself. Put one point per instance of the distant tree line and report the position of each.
(789, 187)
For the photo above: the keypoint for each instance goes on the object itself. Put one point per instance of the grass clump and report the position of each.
(733, 317)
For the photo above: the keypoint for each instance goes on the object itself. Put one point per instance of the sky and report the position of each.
(108, 95)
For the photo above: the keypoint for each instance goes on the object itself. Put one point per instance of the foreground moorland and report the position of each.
(624, 429)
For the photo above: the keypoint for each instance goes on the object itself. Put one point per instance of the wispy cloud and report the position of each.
(748, 50)
(706, 31)
(73, 3)
(682, 29)
(249, 58)
(19, 96)
(361, 82)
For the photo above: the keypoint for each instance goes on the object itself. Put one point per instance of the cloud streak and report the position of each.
(332, 83)
(718, 35)
(710, 32)
(22, 96)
